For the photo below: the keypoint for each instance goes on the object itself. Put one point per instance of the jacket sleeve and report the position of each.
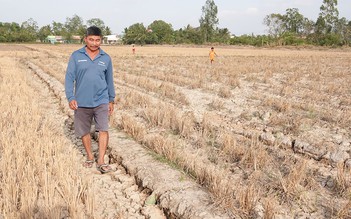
(70, 79)
(109, 81)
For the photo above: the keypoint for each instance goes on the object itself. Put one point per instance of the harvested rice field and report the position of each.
(260, 133)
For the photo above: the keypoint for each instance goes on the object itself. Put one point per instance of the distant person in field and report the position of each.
(212, 55)
(133, 49)
(90, 92)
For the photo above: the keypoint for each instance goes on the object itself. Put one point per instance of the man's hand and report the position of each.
(73, 105)
(110, 108)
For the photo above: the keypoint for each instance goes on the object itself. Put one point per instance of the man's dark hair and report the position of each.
(93, 31)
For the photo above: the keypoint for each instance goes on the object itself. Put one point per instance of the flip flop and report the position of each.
(88, 163)
(104, 168)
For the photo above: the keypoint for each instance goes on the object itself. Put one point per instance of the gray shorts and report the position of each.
(83, 118)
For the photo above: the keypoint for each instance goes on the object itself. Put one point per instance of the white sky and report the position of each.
(240, 17)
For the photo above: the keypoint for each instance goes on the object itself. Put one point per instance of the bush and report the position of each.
(292, 39)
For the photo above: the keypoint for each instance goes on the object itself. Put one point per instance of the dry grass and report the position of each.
(248, 198)
(231, 149)
(304, 92)
(224, 92)
(255, 156)
(268, 207)
(343, 180)
(234, 81)
(216, 104)
(292, 183)
(39, 174)
(131, 99)
(132, 127)
(345, 211)
(165, 89)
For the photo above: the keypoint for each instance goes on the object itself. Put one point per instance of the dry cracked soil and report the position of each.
(143, 187)
(139, 186)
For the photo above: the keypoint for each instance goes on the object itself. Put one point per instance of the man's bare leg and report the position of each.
(103, 141)
(86, 139)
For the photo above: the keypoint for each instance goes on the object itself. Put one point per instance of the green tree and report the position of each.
(179, 36)
(74, 26)
(29, 30)
(96, 22)
(276, 24)
(188, 35)
(160, 32)
(294, 21)
(329, 15)
(251, 40)
(308, 27)
(135, 34)
(107, 31)
(44, 32)
(99, 23)
(343, 29)
(209, 20)
(58, 29)
(290, 28)
(222, 35)
(326, 27)
(9, 32)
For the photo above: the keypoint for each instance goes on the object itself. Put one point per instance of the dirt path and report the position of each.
(140, 187)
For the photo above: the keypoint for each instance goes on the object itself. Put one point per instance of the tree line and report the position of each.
(29, 31)
(291, 28)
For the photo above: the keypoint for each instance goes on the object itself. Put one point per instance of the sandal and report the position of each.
(104, 168)
(88, 163)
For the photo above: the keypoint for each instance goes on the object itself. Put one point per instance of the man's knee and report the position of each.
(103, 133)
(85, 136)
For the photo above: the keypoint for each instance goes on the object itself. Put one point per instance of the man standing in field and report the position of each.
(90, 92)
(212, 55)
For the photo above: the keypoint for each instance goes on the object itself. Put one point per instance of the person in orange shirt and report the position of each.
(212, 55)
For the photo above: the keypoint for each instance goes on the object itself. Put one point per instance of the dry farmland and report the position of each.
(261, 133)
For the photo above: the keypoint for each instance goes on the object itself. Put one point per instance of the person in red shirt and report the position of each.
(133, 49)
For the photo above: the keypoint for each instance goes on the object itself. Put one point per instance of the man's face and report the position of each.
(93, 42)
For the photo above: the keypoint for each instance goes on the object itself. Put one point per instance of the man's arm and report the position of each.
(69, 84)
(109, 81)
